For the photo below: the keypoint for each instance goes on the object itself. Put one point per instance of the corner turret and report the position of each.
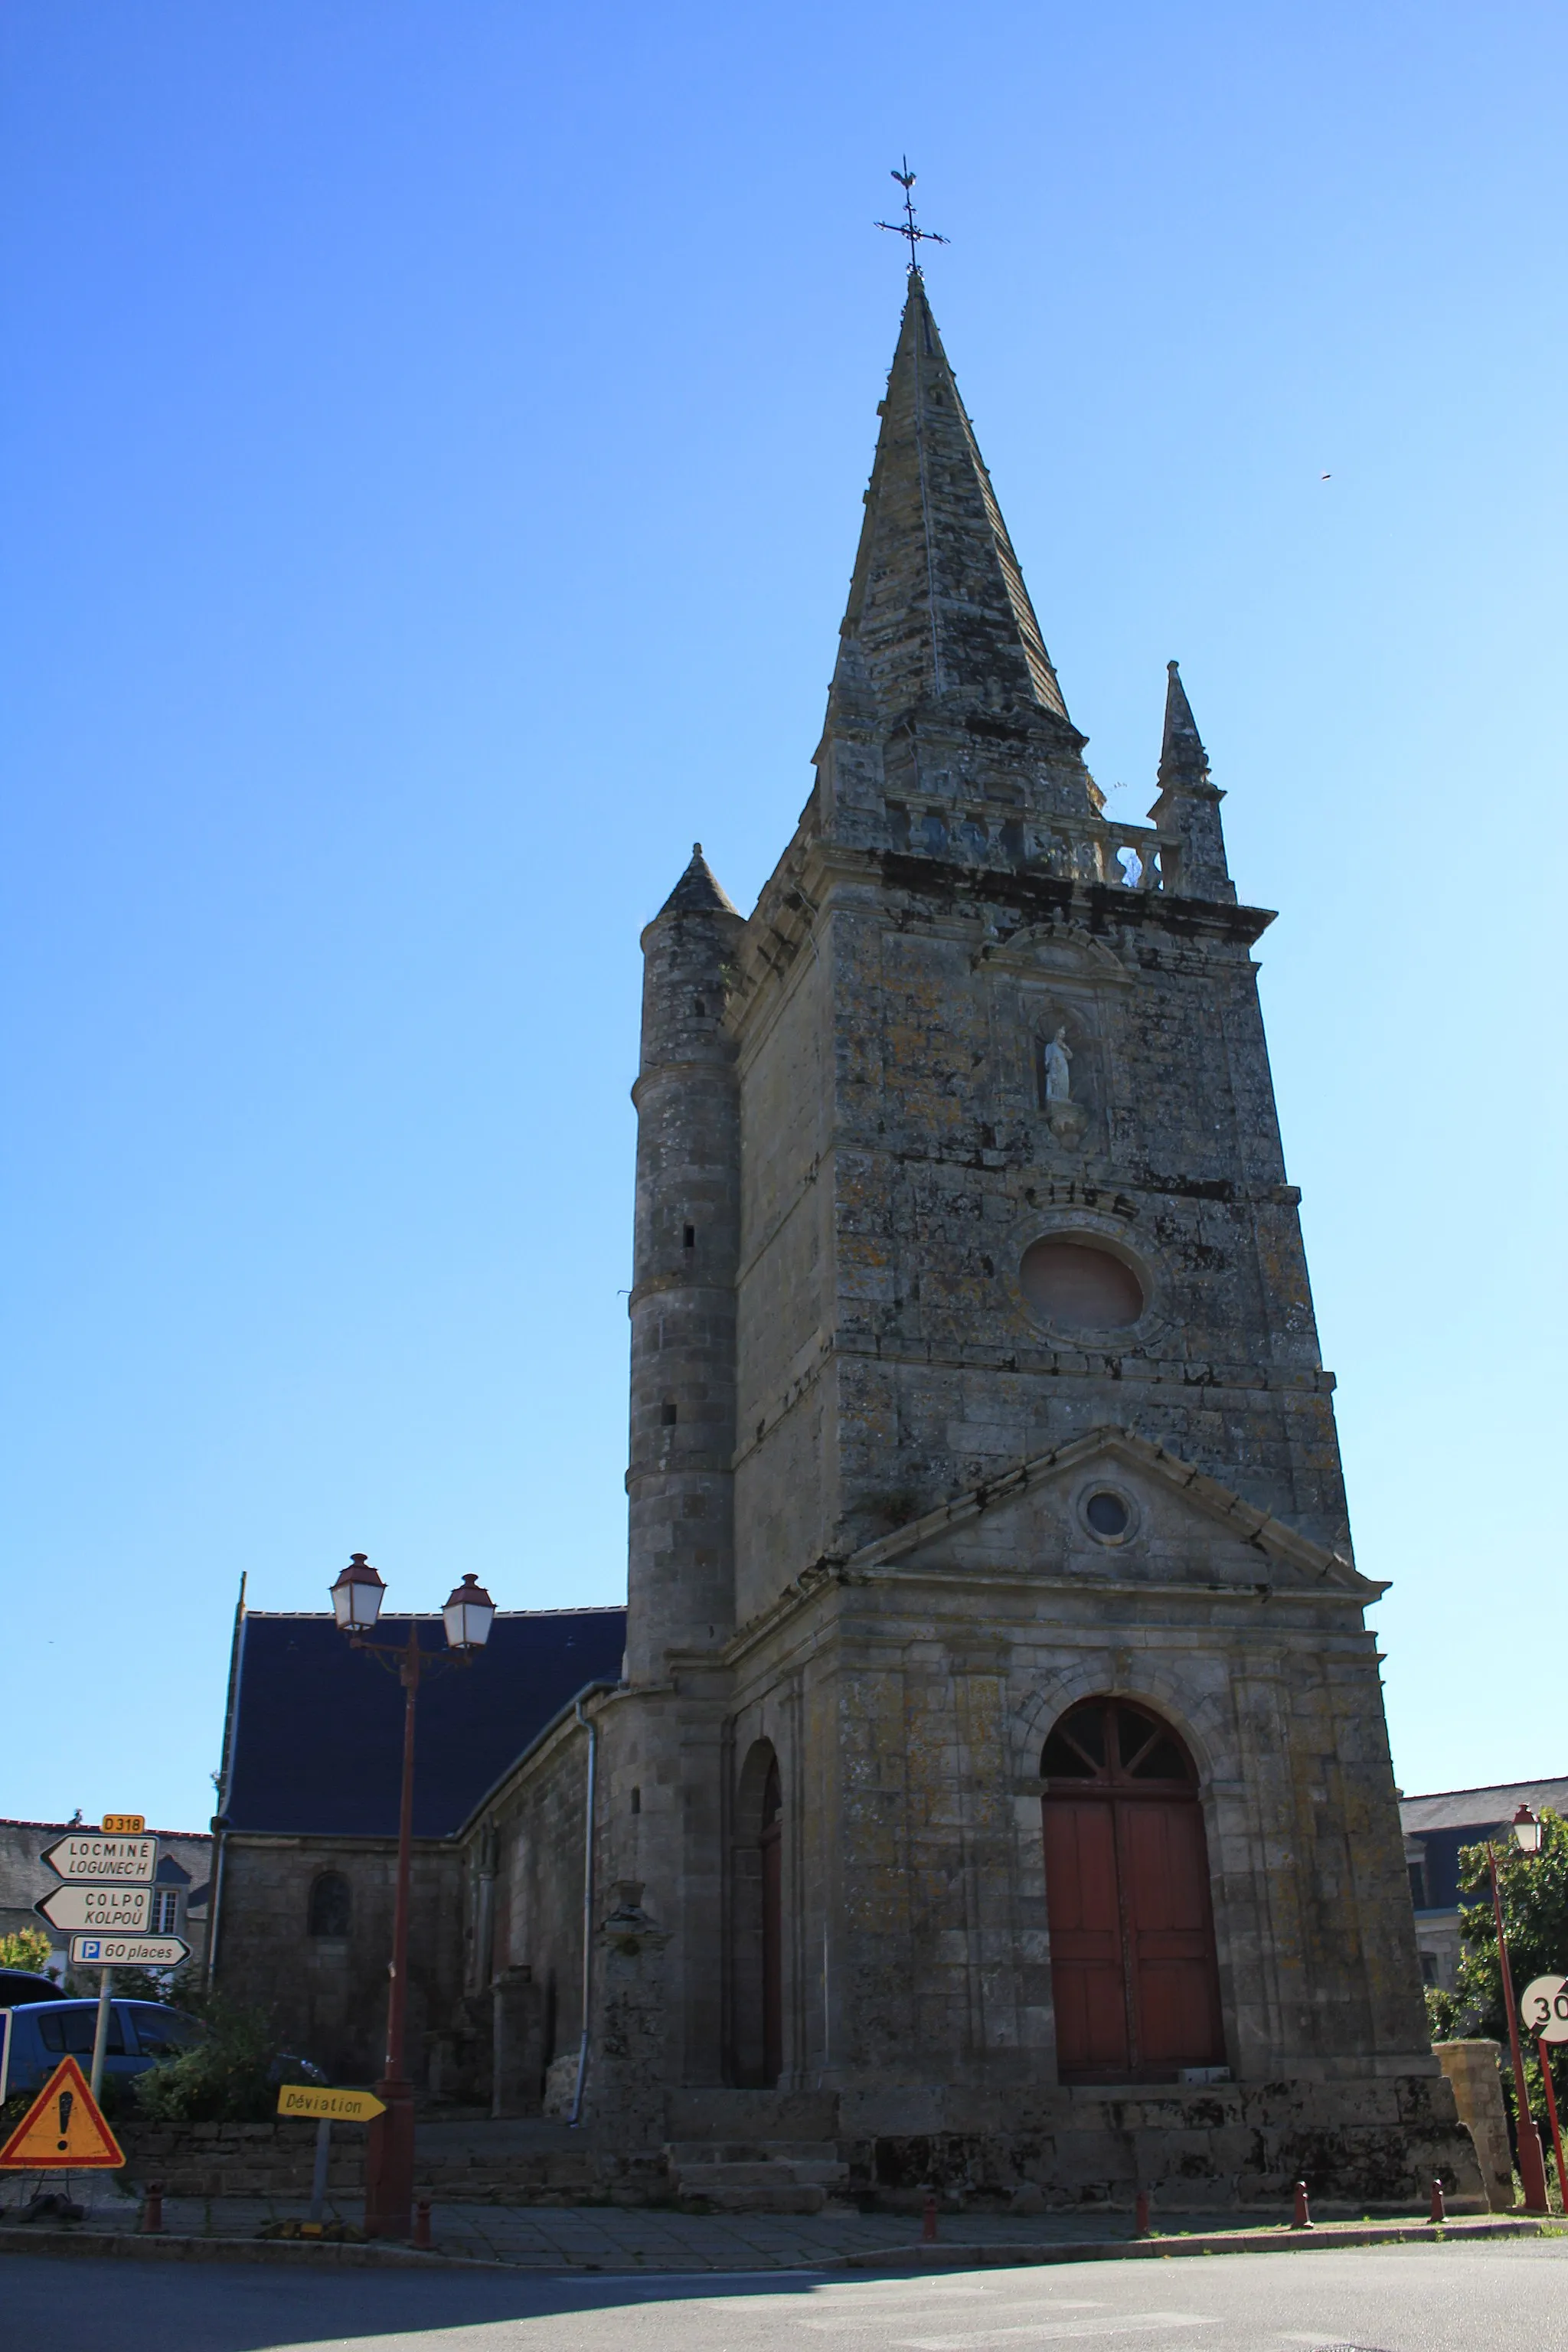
(681, 1567)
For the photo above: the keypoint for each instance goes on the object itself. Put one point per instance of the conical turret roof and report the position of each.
(938, 608)
(697, 892)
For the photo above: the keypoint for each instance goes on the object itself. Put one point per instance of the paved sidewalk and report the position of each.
(612, 2238)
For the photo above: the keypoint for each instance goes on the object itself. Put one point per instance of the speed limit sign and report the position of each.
(1543, 2008)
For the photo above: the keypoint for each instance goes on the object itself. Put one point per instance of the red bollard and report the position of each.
(928, 2220)
(1437, 2212)
(422, 2225)
(153, 2209)
(1140, 2223)
(1303, 2220)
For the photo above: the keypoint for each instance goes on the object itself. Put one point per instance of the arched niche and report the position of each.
(757, 1922)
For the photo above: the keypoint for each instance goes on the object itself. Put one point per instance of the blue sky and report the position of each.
(433, 442)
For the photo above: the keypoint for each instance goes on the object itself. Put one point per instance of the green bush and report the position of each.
(228, 2078)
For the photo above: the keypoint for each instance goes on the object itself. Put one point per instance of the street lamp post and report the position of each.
(468, 1616)
(1531, 2163)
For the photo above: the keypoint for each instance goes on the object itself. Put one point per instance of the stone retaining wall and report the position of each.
(270, 2159)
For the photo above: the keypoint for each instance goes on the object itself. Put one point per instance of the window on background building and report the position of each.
(1429, 1968)
(166, 1910)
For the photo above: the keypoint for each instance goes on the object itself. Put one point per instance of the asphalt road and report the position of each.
(1511, 2297)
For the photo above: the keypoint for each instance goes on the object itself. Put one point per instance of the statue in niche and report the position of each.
(1068, 1121)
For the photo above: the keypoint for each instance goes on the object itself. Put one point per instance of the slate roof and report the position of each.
(1460, 1817)
(316, 1742)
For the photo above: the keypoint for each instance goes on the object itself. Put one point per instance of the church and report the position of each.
(987, 1781)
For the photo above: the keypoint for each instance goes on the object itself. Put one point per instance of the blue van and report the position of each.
(38, 2033)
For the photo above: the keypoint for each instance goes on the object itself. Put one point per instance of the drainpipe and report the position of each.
(591, 1730)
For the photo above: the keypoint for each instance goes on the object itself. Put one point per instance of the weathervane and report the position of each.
(906, 227)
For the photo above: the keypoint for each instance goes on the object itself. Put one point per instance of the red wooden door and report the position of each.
(1165, 1874)
(1087, 1975)
(1133, 1960)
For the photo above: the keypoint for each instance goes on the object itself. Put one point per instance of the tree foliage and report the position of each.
(1534, 1891)
(26, 1948)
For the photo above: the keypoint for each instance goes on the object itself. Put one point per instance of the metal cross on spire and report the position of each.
(906, 227)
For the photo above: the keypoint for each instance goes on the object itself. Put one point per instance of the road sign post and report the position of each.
(336, 2106)
(100, 2031)
(327, 2106)
(63, 2130)
(128, 1951)
(88, 1857)
(108, 1874)
(102, 1910)
(1543, 2008)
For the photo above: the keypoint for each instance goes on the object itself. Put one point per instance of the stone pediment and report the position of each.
(1054, 951)
(1112, 1506)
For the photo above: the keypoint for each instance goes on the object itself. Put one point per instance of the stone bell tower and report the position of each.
(1002, 1732)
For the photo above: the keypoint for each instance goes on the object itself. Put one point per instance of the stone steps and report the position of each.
(755, 2177)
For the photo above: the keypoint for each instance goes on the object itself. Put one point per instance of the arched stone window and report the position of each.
(1133, 1977)
(332, 1905)
(757, 1917)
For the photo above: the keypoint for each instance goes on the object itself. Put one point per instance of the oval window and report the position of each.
(1081, 1288)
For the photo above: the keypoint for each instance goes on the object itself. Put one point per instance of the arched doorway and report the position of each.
(756, 2006)
(1133, 1977)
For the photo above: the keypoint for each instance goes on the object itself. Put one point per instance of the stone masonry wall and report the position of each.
(328, 1994)
(262, 2159)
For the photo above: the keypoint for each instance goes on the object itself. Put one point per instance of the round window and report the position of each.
(1108, 1515)
(1080, 1286)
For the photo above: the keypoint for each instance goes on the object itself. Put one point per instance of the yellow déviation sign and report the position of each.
(124, 1824)
(337, 2107)
(62, 2131)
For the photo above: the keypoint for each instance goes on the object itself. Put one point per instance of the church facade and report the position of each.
(995, 1789)
(1000, 1730)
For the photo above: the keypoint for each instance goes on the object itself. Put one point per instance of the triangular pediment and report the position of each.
(1057, 1513)
(1056, 950)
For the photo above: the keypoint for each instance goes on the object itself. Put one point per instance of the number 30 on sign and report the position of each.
(1543, 2008)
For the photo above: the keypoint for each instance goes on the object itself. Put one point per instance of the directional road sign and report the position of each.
(107, 1910)
(129, 1951)
(1543, 2008)
(86, 1858)
(336, 2106)
(62, 2131)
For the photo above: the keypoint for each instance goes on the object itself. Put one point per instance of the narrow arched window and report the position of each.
(331, 1905)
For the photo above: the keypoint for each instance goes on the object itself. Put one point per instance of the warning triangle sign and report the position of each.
(62, 2131)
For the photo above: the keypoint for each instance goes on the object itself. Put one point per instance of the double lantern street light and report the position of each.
(468, 1617)
(1527, 1832)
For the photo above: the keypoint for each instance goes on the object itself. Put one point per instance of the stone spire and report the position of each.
(1188, 811)
(938, 610)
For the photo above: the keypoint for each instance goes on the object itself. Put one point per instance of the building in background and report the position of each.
(180, 1889)
(1436, 1827)
(307, 1818)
